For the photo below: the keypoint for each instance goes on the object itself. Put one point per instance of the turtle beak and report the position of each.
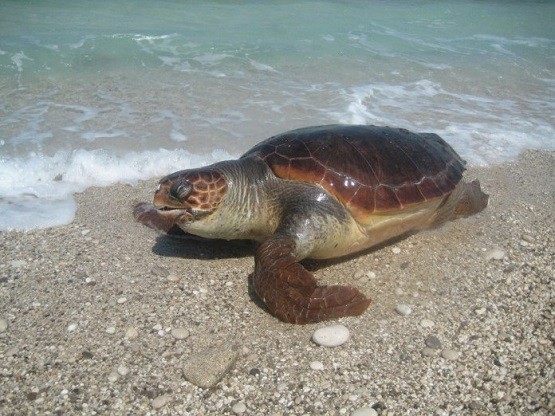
(170, 200)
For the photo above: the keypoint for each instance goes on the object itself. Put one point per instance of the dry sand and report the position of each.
(101, 317)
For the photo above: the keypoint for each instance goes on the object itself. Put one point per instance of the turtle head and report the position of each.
(189, 196)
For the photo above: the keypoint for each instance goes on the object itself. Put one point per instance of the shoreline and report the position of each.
(104, 316)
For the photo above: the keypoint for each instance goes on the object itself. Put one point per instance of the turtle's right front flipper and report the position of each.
(290, 291)
(148, 215)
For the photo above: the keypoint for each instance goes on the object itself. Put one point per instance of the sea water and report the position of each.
(99, 92)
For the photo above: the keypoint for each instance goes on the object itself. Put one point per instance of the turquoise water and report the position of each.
(93, 93)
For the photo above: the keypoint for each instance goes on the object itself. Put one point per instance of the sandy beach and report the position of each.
(105, 316)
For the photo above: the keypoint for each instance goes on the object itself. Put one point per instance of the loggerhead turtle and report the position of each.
(317, 192)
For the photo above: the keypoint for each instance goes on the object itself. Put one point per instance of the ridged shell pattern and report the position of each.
(371, 170)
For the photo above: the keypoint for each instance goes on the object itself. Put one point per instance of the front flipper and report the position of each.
(148, 215)
(290, 291)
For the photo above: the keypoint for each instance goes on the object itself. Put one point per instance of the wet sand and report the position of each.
(101, 316)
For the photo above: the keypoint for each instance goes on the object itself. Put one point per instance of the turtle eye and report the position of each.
(181, 190)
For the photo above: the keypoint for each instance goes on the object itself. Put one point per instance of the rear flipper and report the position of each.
(466, 199)
(471, 201)
(290, 291)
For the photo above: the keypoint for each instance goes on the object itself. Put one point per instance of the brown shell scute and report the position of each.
(370, 169)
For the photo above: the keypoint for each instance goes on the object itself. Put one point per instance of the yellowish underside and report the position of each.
(379, 228)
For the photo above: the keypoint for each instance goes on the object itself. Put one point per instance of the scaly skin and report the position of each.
(290, 291)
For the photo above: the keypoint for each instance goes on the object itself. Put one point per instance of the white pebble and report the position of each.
(131, 333)
(495, 253)
(403, 309)
(18, 263)
(427, 323)
(180, 333)
(480, 311)
(450, 354)
(71, 327)
(331, 336)
(85, 232)
(239, 408)
(113, 377)
(3, 324)
(122, 300)
(395, 250)
(123, 370)
(365, 411)
(161, 401)
(172, 277)
(157, 327)
(316, 365)
(528, 238)
(111, 330)
(371, 275)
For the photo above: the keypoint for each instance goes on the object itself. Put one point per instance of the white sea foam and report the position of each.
(44, 185)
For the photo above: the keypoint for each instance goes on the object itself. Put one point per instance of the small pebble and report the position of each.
(179, 333)
(494, 254)
(18, 263)
(3, 324)
(528, 238)
(123, 370)
(131, 333)
(113, 377)
(403, 309)
(365, 411)
(239, 408)
(172, 277)
(122, 300)
(90, 281)
(396, 250)
(160, 271)
(450, 354)
(85, 232)
(371, 275)
(71, 327)
(331, 336)
(433, 342)
(316, 365)
(282, 386)
(110, 330)
(428, 352)
(480, 311)
(161, 401)
(427, 323)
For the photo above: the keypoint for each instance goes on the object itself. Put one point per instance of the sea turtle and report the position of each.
(317, 192)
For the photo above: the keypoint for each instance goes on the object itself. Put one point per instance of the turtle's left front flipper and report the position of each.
(290, 291)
